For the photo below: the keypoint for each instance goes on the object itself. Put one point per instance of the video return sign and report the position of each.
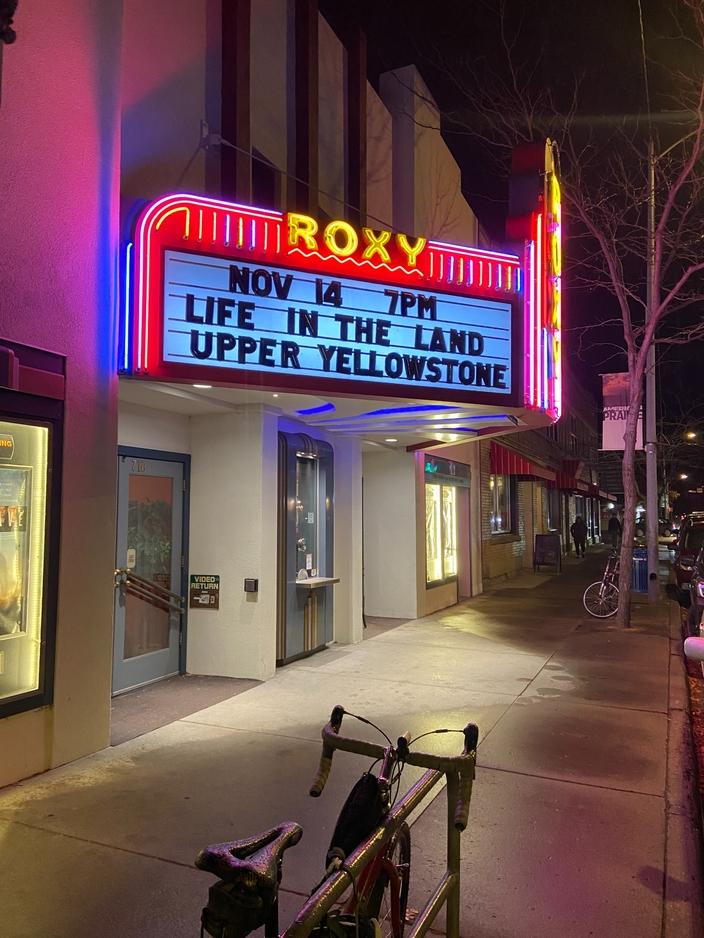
(255, 317)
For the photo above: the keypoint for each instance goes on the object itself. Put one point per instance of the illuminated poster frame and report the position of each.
(228, 232)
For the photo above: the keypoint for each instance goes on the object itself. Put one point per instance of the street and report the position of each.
(580, 823)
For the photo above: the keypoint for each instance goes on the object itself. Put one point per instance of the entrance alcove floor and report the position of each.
(144, 709)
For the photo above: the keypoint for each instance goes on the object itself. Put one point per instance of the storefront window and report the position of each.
(440, 532)
(553, 509)
(23, 505)
(500, 490)
(588, 519)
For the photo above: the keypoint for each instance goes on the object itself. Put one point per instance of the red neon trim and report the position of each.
(345, 260)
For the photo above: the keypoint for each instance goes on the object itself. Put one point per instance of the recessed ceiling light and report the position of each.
(274, 395)
(203, 387)
(390, 439)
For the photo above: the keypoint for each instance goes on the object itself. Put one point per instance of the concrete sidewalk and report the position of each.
(582, 823)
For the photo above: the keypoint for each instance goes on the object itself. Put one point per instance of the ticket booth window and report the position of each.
(440, 532)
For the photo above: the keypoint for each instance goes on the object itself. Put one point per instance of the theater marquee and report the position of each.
(238, 295)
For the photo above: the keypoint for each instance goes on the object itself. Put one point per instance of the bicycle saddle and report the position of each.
(257, 858)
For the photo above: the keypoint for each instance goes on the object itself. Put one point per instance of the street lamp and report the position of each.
(683, 476)
(691, 435)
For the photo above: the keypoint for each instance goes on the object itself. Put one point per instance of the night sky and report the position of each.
(596, 44)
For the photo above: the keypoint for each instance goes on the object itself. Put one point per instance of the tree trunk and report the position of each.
(629, 501)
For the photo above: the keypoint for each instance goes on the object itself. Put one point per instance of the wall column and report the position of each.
(233, 534)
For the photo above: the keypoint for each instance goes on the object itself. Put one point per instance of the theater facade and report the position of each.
(298, 402)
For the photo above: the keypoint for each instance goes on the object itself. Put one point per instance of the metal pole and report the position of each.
(651, 456)
(452, 924)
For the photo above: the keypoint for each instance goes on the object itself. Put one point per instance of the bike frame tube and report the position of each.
(366, 881)
(323, 899)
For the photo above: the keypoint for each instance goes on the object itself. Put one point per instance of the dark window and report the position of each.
(553, 509)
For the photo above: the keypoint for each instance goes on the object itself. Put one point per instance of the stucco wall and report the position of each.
(233, 506)
(147, 428)
(59, 161)
(390, 535)
(170, 82)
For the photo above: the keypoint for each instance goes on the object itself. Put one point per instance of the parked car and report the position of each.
(696, 597)
(689, 544)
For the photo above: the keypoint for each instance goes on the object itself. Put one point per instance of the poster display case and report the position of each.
(31, 427)
(24, 497)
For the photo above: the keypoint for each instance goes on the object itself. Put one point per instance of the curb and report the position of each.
(682, 874)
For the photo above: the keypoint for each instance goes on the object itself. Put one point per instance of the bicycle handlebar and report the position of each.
(462, 765)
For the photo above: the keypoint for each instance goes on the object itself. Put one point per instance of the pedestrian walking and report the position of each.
(614, 530)
(579, 533)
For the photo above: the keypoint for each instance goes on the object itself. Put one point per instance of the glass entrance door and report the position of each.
(148, 622)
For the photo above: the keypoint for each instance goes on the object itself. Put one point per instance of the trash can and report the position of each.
(639, 581)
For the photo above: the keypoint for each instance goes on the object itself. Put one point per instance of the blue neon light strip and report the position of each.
(127, 308)
(407, 410)
(321, 409)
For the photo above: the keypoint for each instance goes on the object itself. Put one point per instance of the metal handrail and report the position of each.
(151, 592)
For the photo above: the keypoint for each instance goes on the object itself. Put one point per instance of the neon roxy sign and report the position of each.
(247, 296)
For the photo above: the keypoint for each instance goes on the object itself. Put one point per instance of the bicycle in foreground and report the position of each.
(601, 598)
(364, 889)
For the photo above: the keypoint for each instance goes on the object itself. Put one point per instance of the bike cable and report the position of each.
(432, 733)
(369, 723)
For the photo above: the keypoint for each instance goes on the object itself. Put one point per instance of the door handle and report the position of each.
(130, 582)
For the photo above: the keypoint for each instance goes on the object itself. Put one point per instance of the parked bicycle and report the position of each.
(601, 598)
(364, 889)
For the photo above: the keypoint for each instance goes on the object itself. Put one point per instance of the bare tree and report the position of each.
(611, 171)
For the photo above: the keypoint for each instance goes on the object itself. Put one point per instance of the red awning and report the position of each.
(569, 484)
(507, 462)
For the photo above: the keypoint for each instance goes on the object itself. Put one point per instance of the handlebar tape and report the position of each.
(462, 806)
(471, 740)
(322, 774)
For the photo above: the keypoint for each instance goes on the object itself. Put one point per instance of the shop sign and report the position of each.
(248, 296)
(204, 592)
(446, 472)
(547, 551)
(7, 446)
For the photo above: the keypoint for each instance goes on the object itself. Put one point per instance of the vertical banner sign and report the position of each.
(614, 412)
(535, 222)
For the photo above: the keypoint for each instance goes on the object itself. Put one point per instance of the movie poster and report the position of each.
(15, 495)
